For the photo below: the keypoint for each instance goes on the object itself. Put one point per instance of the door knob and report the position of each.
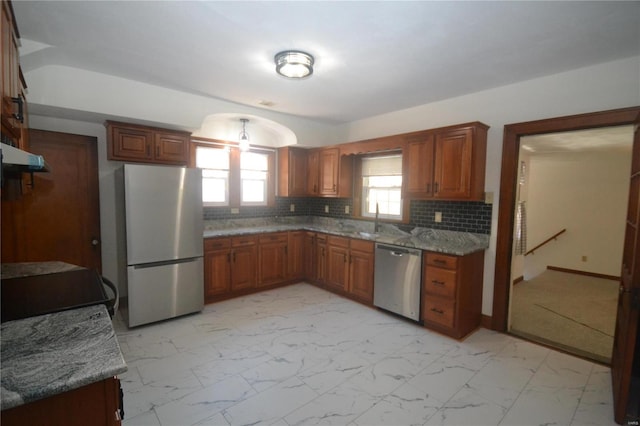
(95, 242)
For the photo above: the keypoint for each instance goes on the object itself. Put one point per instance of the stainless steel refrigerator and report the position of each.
(160, 232)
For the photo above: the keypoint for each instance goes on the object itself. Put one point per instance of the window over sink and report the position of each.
(380, 188)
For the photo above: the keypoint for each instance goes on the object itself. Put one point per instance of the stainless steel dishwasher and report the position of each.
(396, 285)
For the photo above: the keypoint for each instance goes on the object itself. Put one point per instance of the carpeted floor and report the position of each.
(575, 313)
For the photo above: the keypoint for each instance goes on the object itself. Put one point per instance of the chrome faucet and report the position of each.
(376, 223)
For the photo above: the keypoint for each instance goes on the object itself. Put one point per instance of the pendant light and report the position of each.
(294, 64)
(243, 138)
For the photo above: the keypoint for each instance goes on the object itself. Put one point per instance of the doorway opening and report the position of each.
(570, 211)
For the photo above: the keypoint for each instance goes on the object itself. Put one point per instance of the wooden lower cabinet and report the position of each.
(361, 264)
(96, 404)
(229, 266)
(244, 255)
(296, 255)
(452, 292)
(337, 263)
(272, 258)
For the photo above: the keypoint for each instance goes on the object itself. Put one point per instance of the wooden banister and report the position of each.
(545, 242)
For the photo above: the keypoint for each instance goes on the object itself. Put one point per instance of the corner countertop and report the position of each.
(50, 354)
(441, 241)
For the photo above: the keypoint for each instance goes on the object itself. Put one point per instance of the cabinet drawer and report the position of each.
(321, 238)
(246, 240)
(439, 310)
(280, 237)
(441, 282)
(442, 260)
(332, 240)
(362, 245)
(216, 243)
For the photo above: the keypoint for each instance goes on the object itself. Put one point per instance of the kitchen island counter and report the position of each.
(50, 354)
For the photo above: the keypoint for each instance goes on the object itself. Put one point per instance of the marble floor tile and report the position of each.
(299, 355)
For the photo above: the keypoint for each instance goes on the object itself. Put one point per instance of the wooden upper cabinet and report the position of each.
(313, 172)
(129, 142)
(13, 100)
(329, 168)
(447, 164)
(292, 172)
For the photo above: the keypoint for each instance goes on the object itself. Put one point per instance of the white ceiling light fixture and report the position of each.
(294, 64)
(243, 138)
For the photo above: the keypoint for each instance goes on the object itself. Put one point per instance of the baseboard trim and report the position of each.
(588, 274)
(519, 279)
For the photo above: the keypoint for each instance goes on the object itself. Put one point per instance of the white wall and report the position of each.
(606, 86)
(585, 193)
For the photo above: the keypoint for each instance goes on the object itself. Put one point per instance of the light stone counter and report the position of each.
(50, 354)
(448, 242)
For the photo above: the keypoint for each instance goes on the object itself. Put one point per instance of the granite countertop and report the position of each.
(49, 354)
(28, 269)
(448, 242)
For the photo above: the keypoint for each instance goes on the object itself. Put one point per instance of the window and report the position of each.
(382, 187)
(232, 178)
(214, 163)
(254, 174)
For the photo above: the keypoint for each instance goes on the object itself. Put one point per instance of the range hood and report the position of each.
(19, 160)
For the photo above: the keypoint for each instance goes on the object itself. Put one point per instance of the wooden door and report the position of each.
(418, 167)
(626, 333)
(60, 218)
(272, 259)
(452, 166)
(171, 148)
(130, 144)
(313, 172)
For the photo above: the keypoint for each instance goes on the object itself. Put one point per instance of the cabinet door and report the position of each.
(329, 161)
(313, 172)
(321, 257)
(452, 166)
(131, 144)
(418, 167)
(295, 255)
(217, 273)
(272, 258)
(310, 256)
(337, 267)
(361, 275)
(171, 148)
(292, 172)
(243, 271)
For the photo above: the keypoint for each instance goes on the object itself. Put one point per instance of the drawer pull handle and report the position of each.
(440, 283)
(437, 311)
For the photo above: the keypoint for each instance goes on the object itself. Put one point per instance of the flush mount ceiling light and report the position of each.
(243, 138)
(294, 64)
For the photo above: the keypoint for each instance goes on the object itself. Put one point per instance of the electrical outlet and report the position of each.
(346, 209)
(326, 209)
(488, 197)
(235, 210)
(438, 217)
(584, 258)
(292, 207)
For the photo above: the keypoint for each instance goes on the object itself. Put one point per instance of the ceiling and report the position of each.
(371, 57)
(602, 139)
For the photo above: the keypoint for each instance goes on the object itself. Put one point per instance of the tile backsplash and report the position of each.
(462, 216)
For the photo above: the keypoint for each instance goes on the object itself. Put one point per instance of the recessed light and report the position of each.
(294, 64)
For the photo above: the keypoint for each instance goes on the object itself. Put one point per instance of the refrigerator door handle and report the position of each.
(166, 262)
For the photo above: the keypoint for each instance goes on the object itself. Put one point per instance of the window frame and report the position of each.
(359, 195)
(235, 181)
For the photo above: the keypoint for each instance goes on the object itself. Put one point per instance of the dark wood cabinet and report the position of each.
(296, 255)
(143, 144)
(361, 269)
(446, 163)
(321, 258)
(313, 172)
(310, 256)
(13, 107)
(94, 404)
(337, 263)
(229, 266)
(328, 173)
(272, 258)
(452, 292)
(292, 172)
